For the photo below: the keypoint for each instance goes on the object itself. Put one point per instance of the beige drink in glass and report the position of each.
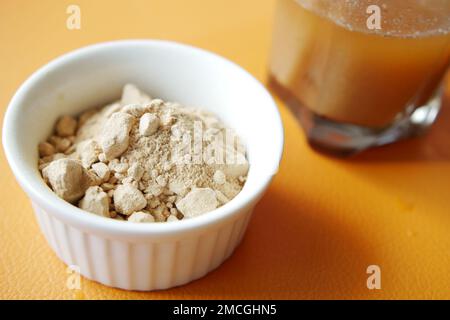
(354, 85)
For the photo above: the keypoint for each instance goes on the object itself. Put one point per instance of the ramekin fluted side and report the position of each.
(143, 264)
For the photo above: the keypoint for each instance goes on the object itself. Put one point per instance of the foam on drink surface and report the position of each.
(400, 18)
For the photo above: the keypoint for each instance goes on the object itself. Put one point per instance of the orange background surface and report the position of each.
(323, 220)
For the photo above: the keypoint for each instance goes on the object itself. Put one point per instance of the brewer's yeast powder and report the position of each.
(144, 160)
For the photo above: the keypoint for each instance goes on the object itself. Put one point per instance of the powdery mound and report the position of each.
(144, 160)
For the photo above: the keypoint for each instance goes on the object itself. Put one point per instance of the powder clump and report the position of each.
(95, 201)
(67, 178)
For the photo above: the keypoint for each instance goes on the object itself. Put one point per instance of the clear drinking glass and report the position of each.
(361, 73)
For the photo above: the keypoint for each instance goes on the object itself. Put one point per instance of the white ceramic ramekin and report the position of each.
(153, 255)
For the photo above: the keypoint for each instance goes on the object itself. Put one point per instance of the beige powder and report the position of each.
(144, 160)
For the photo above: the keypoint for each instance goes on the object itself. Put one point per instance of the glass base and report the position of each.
(344, 139)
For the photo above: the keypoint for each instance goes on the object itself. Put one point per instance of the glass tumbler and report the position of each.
(360, 73)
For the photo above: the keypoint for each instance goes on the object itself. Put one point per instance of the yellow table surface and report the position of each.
(323, 220)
